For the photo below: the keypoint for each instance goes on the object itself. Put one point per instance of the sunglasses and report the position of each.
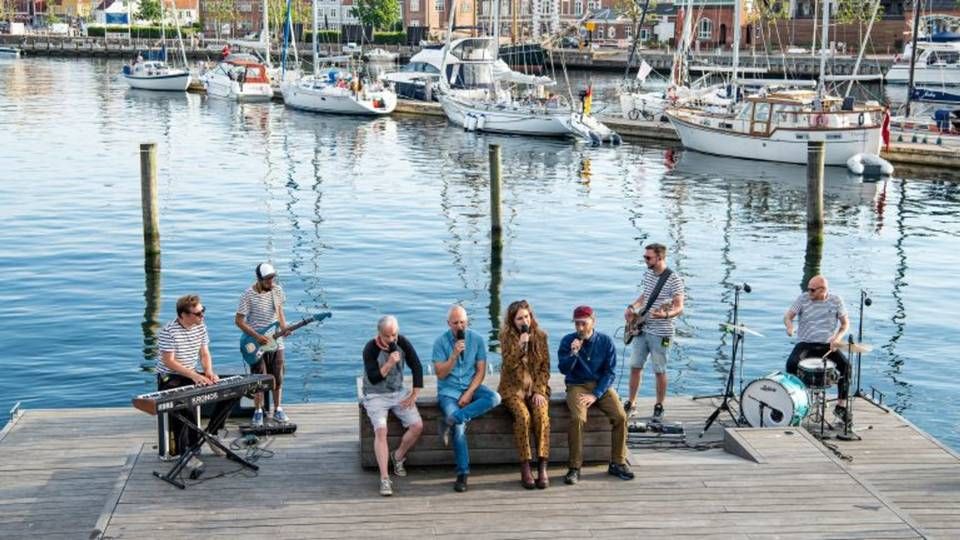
(649, 257)
(814, 289)
(199, 313)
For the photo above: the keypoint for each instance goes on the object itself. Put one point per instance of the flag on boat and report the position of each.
(644, 71)
(588, 99)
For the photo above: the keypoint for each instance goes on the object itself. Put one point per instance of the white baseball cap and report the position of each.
(265, 270)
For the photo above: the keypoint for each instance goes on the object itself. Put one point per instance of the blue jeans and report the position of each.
(484, 399)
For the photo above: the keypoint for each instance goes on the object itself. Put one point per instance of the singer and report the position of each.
(660, 301)
(460, 360)
(821, 324)
(525, 387)
(589, 361)
(384, 392)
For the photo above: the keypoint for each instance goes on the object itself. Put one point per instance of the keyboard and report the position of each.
(187, 397)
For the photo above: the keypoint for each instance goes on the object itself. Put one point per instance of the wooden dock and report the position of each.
(86, 473)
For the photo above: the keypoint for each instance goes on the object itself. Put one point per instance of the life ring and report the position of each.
(820, 120)
(860, 119)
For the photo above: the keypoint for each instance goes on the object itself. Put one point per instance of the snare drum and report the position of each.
(779, 400)
(817, 372)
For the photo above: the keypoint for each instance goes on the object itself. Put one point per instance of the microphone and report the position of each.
(866, 298)
(525, 329)
(745, 287)
(392, 348)
(460, 335)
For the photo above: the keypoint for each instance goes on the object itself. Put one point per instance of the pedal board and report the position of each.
(642, 429)
(268, 429)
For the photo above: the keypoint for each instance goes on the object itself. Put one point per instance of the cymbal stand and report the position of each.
(848, 431)
(728, 388)
(864, 301)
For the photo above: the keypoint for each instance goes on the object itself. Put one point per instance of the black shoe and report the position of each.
(622, 472)
(657, 413)
(628, 408)
(572, 476)
(461, 484)
(843, 414)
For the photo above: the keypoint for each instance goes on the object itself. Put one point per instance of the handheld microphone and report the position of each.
(460, 335)
(525, 329)
(866, 297)
(746, 287)
(392, 348)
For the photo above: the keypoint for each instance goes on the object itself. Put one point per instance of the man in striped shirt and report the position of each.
(260, 306)
(821, 324)
(182, 342)
(658, 329)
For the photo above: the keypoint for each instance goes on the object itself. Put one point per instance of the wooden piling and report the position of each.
(496, 243)
(495, 224)
(815, 159)
(148, 201)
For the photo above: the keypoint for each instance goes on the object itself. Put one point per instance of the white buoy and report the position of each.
(869, 165)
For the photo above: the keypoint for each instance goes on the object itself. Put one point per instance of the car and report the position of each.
(351, 48)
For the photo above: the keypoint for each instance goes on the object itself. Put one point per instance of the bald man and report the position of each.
(460, 360)
(821, 324)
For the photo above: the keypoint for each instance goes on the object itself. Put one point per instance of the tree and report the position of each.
(633, 9)
(149, 10)
(380, 14)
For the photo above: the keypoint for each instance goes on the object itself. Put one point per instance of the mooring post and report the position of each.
(148, 200)
(816, 156)
(495, 225)
(496, 240)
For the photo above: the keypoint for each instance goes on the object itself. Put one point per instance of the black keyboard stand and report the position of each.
(174, 473)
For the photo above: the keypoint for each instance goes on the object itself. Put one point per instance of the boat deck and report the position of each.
(72, 473)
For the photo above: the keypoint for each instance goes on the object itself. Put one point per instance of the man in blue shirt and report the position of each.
(460, 360)
(588, 359)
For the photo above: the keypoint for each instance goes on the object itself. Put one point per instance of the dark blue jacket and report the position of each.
(595, 362)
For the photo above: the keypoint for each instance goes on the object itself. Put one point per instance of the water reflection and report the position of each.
(895, 360)
(151, 310)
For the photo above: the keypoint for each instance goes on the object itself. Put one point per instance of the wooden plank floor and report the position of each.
(61, 468)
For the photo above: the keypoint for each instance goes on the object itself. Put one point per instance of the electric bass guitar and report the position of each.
(635, 322)
(252, 350)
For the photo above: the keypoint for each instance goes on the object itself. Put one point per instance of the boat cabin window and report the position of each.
(745, 112)
(762, 112)
(943, 57)
(420, 67)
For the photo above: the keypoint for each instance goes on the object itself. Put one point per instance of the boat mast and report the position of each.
(163, 31)
(265, 34)
(736, 47)
(863, 46)
(824, 37)
(636, 39)
(176, 20)
(316, 46)
(913, 53)
(513, 28)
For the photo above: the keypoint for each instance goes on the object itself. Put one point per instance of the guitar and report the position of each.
(635, 322)
(252, 350)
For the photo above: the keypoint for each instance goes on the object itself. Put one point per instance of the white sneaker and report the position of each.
(386, 489)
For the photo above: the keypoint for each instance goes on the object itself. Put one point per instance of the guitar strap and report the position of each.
(656, 290)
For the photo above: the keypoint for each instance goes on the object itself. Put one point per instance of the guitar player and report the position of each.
(262, 305)
(660, 301)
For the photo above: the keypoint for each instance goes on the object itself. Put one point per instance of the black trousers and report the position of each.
(183, 436)
(817, 350)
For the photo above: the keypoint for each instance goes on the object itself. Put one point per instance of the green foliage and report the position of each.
(389, 38)
(769, 10)
(149, 10)
(323, 36)
(851, 11)
(148, 32)
(376, 13)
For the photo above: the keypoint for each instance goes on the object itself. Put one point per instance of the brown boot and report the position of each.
(526, 476)
(542, 480)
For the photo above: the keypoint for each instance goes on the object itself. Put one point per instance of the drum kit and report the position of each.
(781, 399)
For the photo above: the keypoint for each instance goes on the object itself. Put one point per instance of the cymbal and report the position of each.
(727, 327)
(856, 347)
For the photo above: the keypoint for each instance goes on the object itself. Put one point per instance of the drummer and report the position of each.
(822, 322)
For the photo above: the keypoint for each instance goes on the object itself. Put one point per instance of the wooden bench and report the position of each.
(490, 437)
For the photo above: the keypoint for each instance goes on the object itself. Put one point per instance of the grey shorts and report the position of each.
(379, 405)
(656, 347)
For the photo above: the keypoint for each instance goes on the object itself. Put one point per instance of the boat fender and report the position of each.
(615, 139)
(860, 119)
(820, 120)
(595, 139)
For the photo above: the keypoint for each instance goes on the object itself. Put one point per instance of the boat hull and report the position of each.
(224, 88)
(948, 75)
(304, 96)
(503, 120)
(782, 145)
(174, 82)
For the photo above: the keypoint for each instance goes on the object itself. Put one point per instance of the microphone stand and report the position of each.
(848, 432)
(728, 388)
(867, 301)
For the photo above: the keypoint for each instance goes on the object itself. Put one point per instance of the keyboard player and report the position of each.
(182, 342)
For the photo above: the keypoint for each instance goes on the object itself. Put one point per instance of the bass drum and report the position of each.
(782, 397)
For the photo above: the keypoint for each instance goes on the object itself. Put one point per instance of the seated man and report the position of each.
(460, 360)
(383, 392)
(588, 359)
(822, 322)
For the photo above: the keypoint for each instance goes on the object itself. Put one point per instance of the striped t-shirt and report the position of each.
(817, 320)
(260, 309)
(185, 344)
(673, 287)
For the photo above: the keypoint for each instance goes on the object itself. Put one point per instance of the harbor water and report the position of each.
(365, 217)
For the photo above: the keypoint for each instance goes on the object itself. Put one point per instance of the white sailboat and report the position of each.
(336, 91)
(156, 74)
(238, 77)
(483, 101)
(776, 126)
(938, 64)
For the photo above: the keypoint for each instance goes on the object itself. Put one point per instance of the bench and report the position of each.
(490, 437)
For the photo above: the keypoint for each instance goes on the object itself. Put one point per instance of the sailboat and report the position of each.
(336, 91)
(776, 125)
(496, 109)
(154, 73)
